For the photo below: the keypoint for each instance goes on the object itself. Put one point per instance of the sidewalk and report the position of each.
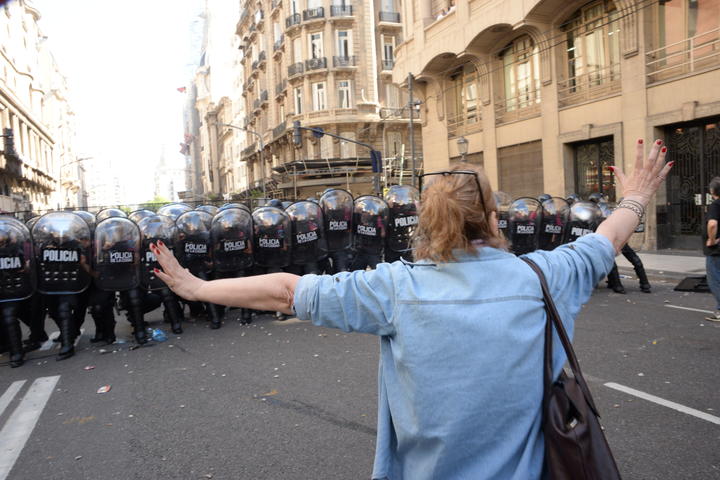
(669, 264)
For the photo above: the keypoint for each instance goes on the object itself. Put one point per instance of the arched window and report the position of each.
(592, 50)
(521, 74)
(461, 100)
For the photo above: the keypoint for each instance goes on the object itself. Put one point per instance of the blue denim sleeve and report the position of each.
(361, 301)
(573, 270)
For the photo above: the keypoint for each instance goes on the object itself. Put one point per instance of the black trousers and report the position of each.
(364, 260)
(634, 259)
(341, 261)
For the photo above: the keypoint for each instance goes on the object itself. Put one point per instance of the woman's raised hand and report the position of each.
(177, 278)
(648, 174)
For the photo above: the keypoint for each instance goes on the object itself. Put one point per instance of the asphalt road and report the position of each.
(286, 400)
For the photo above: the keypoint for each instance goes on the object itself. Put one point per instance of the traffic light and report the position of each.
(376, 161)
(318, 132)
(297, 134)
(9, 143)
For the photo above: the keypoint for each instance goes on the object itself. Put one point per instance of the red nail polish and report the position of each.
(612, 169)
(659, 142)
(160, 242)
(663, 150)
(640, 141)
(155, 270)
(671, 163)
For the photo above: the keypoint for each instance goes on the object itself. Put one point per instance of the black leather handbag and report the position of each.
(575, 445)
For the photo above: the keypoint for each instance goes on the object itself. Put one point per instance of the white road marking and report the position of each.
(49, 343)
(665, 403)
(21, 423)
(691, 309)
(9, 394)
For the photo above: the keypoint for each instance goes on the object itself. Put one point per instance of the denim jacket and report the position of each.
(460, 376)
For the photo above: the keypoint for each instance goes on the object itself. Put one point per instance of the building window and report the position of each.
(297, 95)
(461, 99)
(314, 4)
(348, 149)
(344, 94)
(521, 74)
(297, 50)
(592, 172)
(392, 95)
(318, 96)
(294, 6)
(592, 49)
(388, 46)
(687, 37)
(316, 45)
(344, 43)
(394, 144)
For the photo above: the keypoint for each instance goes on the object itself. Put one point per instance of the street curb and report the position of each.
(657, 275)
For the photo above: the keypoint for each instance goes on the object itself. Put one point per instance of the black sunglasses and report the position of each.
(447, 173)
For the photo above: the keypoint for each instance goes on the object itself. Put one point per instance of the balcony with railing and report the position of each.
(279, 130)
(686, 57)
(278, 43)
(293, 20)
(296, 69)
(344, 61)
(589, 86)
(312, 14)
(259, 17)
(316, 63)
(341, 10)
(254, 64)
(256, 104)
(281, 87)
(520, 107)
(387, 64)
(264, 97)
(389, 17)
(262, 58)
(275, 4)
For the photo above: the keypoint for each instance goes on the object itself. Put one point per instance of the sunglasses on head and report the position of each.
(447, 173)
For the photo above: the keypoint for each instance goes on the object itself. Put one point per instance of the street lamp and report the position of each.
(462, 144)
(262, 147)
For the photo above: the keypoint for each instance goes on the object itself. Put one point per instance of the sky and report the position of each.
(124, 61)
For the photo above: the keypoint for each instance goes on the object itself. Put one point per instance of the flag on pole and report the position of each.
(181, 89)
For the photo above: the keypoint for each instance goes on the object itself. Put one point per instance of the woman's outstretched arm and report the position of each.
(638, 188)
(274, 292)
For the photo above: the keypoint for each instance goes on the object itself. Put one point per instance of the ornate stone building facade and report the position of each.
(43, 172)
(327, 64)
(550, 93)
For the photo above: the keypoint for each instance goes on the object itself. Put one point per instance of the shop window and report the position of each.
(592, 172)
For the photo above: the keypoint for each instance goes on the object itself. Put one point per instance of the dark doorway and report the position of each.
(593, 160)
(695, 149)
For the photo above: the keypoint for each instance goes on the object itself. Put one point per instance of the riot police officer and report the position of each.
(555, 217)
(402, 201)
(337, 207)
(271, 241)
(307, 237)
(370, 217)
(524, 225)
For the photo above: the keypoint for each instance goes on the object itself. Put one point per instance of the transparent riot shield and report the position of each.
(231, 234)
(502, 201)
(88, 217)
(555, 217)
(17, 262)
(523, 225)
(235, 205)
(211, 209)
(152, 229)
(337, 206)
(116, 254)
(62, 252)
(193, 241)
(402, 201)
(307, 232)
(138, 215)
(174, 210)
(271, 237)
(370, 217)
(584, 219)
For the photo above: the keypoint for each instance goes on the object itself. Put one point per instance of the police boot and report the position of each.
(108, 326)
(13, 334)
(135, 312)
(245, 316)
(214, 314)
(67, 329)
(96, 311)
(172, 311)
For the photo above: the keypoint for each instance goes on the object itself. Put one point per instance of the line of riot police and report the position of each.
(63, 264)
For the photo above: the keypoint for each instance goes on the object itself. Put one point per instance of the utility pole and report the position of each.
(411, 129)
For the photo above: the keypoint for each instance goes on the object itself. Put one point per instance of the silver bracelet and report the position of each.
(635, 207)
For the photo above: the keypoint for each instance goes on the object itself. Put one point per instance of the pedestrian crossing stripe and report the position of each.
(18, 427)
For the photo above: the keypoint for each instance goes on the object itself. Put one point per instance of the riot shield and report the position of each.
(108, 213)
(555, 217)
(211, 209)
(138, 215)
(403, 216)
(285, 204)
(193, 241)
(307, 232)
(116, 254)
(231, 234)
(31, 222)
(17, 262)
(62, 252)
(271, 237)
(502, 201)
(152, 229)
(173, 210)
(370, 217)
(337, 207)
(88, 217)
(523, 225)
(584, 219)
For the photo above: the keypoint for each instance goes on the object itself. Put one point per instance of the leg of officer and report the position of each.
(637, 264)
(11, 328)
(613, 280)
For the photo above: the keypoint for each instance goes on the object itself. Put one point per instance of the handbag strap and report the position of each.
(553, 318)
